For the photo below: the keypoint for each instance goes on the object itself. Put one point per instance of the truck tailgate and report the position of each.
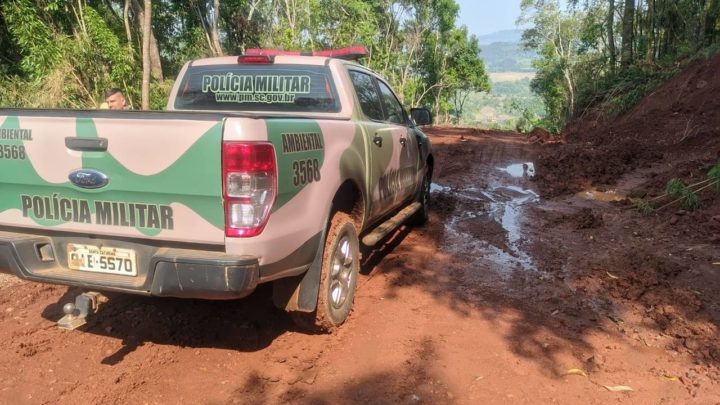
(126, 174)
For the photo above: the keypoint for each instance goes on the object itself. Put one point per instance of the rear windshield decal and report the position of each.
(250, 87)
(255, 89)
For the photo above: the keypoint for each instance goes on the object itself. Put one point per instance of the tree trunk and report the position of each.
(155, 62)
(627, 40)
(146, 56)
(126, 21)
(652, 32)
(700, 43)
(611, 35)
(214, 29)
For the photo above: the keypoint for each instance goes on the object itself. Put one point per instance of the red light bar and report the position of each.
(271, 52)
(255, 59)
(350, 53)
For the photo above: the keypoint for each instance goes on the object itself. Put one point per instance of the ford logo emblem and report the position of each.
(88, 178)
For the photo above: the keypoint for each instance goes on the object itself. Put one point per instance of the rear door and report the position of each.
(125, 174)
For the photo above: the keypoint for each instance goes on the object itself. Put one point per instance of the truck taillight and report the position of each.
(249, 186)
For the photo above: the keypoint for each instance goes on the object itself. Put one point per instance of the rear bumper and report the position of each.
(183, 273)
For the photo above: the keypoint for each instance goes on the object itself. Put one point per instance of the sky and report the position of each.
(487, 16)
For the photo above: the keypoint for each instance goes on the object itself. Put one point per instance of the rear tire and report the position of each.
(338, 277)
(423, 214)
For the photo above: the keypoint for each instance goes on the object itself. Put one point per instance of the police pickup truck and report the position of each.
(267, 167)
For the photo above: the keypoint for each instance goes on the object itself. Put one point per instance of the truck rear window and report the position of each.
(276, 88)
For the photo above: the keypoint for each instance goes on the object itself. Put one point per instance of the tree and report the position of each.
(214, 29)
(582, 74)
(556, 36)
(611, 34)
(146, 56)
(627, 37)
(465, 71)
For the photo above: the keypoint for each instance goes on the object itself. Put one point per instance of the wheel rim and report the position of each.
(341, 272)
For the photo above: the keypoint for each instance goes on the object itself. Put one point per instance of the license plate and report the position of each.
(102, 259)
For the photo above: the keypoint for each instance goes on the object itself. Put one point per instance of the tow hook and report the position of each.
(76, 314)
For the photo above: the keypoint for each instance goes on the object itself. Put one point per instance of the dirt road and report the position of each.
(503, 298)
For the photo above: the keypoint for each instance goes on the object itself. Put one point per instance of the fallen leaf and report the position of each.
(617, 388)
(671, 378)
(576, 371)
(612, 276)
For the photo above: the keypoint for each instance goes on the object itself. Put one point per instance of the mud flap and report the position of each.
(300, 293)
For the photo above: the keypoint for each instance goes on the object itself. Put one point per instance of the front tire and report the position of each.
(338, 277)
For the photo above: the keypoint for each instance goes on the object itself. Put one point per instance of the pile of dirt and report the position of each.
(679, 124)
(658, 270)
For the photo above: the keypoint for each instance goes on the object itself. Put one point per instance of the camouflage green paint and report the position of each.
(184, 182)
(353, 164)
(275, 128)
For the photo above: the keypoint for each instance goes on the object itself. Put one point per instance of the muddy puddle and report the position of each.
(605, 196)
(519, 169)
(485, 224)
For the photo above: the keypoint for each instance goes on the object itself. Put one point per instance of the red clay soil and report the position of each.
(678, 125)
(661, 270)
(515, 292)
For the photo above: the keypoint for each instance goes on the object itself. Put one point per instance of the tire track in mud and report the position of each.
(483, 205)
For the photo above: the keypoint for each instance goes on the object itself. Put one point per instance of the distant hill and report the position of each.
(507, 57)
(503, 52)
(511, 36)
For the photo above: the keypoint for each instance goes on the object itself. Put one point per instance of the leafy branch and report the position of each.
(677, 191)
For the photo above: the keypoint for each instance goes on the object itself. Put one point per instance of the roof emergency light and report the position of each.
(349, 53)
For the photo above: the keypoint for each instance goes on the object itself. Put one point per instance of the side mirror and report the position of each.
(421, 116)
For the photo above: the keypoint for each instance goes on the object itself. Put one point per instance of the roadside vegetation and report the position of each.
(677, 193)
(510, 105)
(601, 57)
(58, 53)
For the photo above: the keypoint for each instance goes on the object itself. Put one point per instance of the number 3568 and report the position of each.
(305, 171)
(12, 152)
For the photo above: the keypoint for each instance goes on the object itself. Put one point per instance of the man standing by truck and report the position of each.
(115, 99)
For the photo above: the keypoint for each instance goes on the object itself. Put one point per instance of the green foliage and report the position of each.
(584, 61)
(644, 207)
(675, 188)
(679, 190)
(41, 48)
(690, 200)
(510, 105)
(714, 176)
(67, 53)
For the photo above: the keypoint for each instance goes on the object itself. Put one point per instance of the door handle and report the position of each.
(86, 144)
(377, 140)
(403, 141)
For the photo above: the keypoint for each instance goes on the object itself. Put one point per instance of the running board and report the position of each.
(390, 225)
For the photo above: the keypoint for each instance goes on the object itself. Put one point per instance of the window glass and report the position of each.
(367, 94)
(282, 88)
(393, 110)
